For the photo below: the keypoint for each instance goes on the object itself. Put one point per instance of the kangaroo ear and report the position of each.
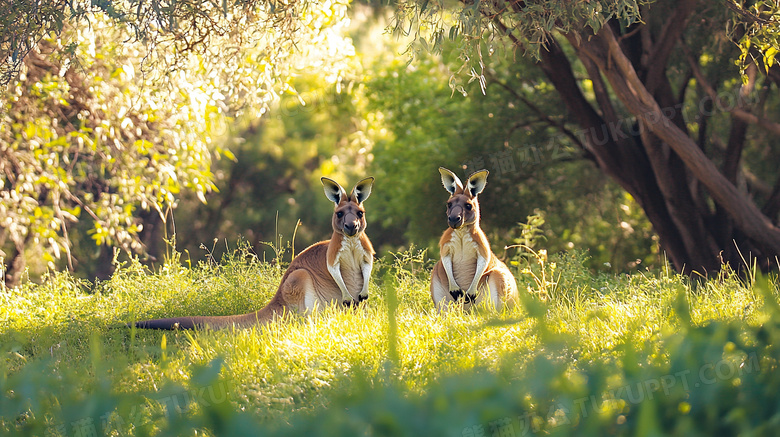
(333, 190)
(450, 181)
(362, 190)
(476, 182)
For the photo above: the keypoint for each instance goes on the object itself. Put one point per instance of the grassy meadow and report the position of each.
(651, 353)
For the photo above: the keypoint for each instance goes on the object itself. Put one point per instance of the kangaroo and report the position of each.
(467, 263)
(336, 270)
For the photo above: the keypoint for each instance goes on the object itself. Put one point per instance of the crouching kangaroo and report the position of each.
(336, 270)
(468, 271)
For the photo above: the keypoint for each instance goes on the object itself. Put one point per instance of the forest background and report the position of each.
(141, 130)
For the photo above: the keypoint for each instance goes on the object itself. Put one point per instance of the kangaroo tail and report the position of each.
(260, 317)
(186, 322)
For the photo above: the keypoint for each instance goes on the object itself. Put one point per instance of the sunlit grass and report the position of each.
(304, 364)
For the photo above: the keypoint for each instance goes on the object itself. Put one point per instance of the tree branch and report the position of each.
(737, 111)
(745, 14)
(684, 86)
(600, 89)
(558, 70)
(754, 183)
(502, 27)
(541, 114)
(738, 132)
(670, 34)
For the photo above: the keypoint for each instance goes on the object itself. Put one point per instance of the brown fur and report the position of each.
(464, 242)
(307, 284)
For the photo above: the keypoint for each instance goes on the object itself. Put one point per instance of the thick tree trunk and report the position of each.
(701, 216)
(673, 143)
(617, 153)
(657, 162)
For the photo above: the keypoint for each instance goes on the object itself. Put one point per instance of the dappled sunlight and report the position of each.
(633, 198)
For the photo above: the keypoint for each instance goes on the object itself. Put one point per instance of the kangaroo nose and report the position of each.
(350, 228)
(454, 221)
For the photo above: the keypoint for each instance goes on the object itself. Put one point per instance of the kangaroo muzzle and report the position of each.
(455, 219)
(351, 225)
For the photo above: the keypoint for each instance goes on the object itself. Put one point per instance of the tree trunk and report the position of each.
(614, 151)
(653, 157)
(16, 264)
(759, 232)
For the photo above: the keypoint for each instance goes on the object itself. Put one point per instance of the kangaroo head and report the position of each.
(349, 216)
(463, 206)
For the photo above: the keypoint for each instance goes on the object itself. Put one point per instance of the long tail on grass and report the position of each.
(256, 318)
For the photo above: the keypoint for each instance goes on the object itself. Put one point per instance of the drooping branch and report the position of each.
(502, 28)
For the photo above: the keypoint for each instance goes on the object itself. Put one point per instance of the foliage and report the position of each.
(755, 30)
(368, 113)
(100, 144)
(753, 25)
(604, 354)
(531, 232)
(592, 57)
(275, 176)
(122, 111)
(170, 32)
(419, 124)
(399, 122)
(435, 23)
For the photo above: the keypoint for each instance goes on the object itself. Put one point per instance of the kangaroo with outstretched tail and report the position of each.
(468, 271)
(336, 270)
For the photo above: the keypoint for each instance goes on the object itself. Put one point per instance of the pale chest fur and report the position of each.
(463, 250)
(351, 257)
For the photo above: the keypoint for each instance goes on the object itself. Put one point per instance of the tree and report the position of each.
(674, 100)
(274, 185)
(534, 168)
(115, 108)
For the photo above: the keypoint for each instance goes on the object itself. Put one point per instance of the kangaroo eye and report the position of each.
(449, 204)
(360, 214)
(339, 214)
(468, 206)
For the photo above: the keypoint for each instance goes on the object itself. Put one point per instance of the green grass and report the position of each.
(649, 353)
